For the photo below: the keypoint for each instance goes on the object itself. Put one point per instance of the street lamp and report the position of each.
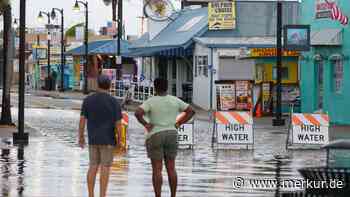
(53, 16)
(77, 8)
(21, 137)
(117, 60)
(41, 18)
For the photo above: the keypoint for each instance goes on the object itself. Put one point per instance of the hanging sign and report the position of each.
(222, 15)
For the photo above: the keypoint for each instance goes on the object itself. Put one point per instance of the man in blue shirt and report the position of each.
(103, 114)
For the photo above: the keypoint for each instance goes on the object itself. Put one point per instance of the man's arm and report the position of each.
(189, 113)
(139, 114)
(81, 136)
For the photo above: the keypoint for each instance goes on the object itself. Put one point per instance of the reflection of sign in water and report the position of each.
(222, 15)
(323, 9)
(234, 127)
(310, 128)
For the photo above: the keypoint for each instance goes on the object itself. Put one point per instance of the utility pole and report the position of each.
(86, 41)
(53, 15)
(21, 137)
(120, 32)
(278, 121)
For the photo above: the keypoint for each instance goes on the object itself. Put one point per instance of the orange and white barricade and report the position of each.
(124, 133)
(234, 127)
(309, 129)
(185, 132)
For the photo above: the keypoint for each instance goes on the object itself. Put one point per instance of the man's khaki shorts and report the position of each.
(162, 145)
(101, 155)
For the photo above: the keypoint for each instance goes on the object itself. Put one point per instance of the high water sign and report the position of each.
(310, 129)
(234, 127)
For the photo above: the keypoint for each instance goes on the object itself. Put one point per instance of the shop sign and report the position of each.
(271, 52)
(222, 15)
(323, 8)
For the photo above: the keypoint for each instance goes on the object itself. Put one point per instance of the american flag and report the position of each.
(337, 14)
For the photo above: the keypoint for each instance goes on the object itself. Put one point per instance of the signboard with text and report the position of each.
(271, 52)
(323, 8)
(234, 127)
(185, 134)
(310, 129)
(234, 95)
(222, 15)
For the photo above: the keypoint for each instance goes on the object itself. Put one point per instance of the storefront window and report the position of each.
(338, 75)
(284, 73)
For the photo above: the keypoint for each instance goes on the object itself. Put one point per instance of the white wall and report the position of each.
(201, 84)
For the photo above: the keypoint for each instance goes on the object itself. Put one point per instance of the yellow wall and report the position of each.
(267, 69)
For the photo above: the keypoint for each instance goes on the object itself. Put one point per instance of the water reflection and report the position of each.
(54, 165)
(5, 171)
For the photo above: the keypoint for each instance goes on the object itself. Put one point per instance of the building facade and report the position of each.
(324, 83)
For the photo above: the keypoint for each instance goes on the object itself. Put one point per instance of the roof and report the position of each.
(236, 42)
(330, 37)
(104, 47)
(187, 24)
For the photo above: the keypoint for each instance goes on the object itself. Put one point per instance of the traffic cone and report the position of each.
(258, 113)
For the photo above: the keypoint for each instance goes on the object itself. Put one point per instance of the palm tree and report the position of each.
(8, 51)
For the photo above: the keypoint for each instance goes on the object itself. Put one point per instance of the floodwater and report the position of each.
(53, 165)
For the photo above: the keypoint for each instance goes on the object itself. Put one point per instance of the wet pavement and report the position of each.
(53, 165)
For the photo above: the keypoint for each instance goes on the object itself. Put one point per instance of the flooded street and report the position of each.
(53, 165)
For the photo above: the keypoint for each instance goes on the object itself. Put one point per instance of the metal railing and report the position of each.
(135, 91)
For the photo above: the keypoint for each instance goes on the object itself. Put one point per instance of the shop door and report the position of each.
(319, 79)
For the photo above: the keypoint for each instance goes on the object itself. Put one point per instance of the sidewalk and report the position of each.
(75, 95)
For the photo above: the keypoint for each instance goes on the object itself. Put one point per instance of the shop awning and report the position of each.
(327, 37)
(101, 47)
(161, 51)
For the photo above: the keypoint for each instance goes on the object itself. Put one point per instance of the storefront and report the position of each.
(266, 74)
(249, 59)
(324, 70)
(100, 57)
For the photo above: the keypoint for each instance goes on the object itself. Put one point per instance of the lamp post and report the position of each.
(40, 18)
(119, 4)
(77, 8)
(63, 59)
(279, 121)
(21, 137)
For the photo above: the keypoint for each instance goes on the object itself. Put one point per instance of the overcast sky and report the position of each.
(99, 13)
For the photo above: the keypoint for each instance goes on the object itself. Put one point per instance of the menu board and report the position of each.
(234, 95)
(227, 96)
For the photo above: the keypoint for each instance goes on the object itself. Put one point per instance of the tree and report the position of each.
(8, 52)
